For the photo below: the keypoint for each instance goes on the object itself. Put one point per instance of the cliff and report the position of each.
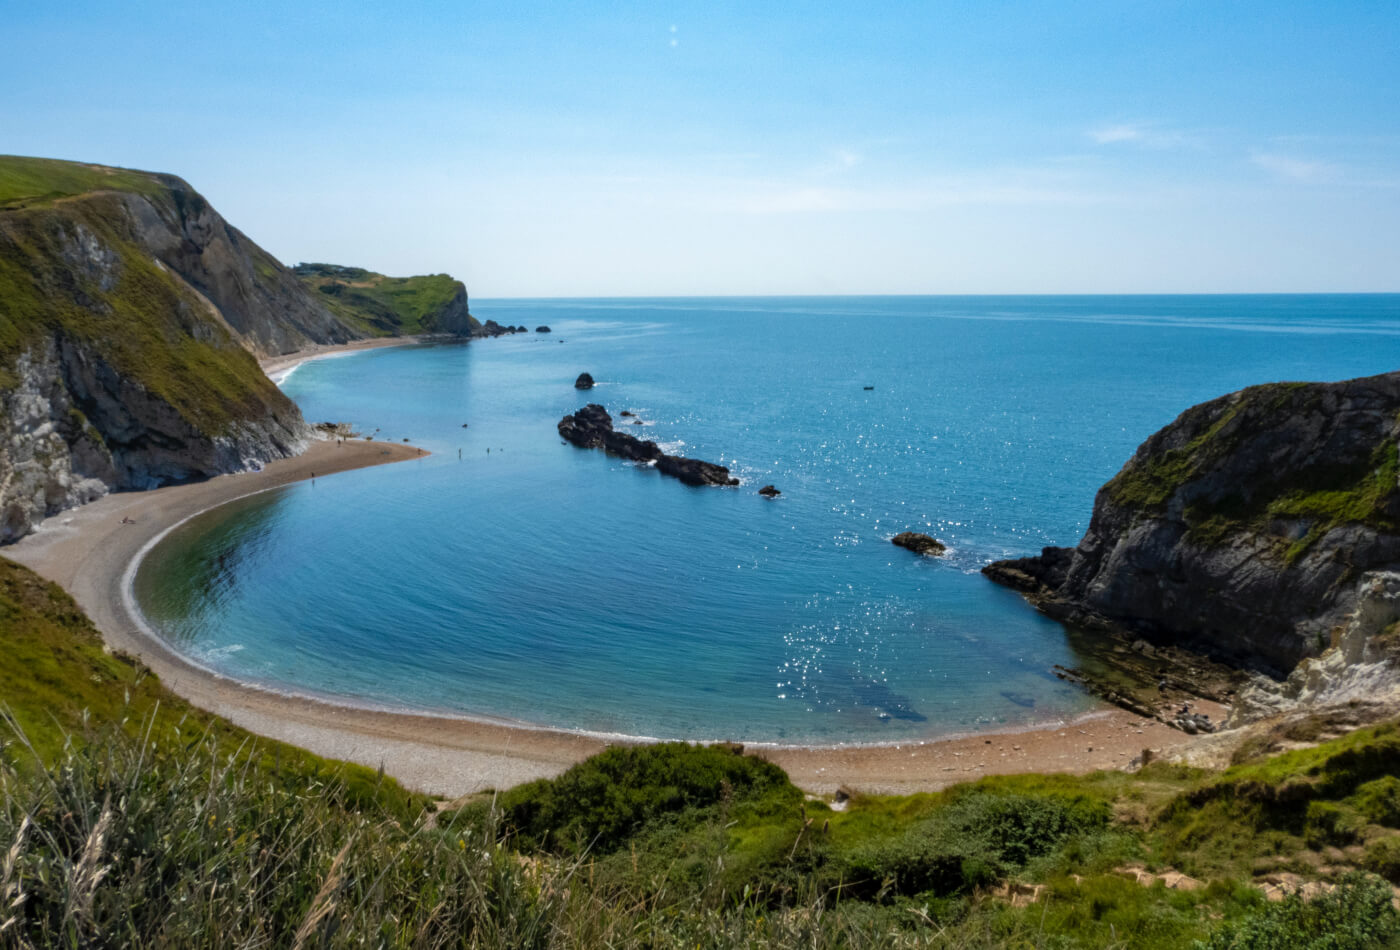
(130, 313)
(377, 305)
(1250, 528)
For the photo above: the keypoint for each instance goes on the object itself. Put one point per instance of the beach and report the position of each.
(91, 552)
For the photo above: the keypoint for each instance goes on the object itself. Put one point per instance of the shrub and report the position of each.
(976, 838)
(597, 804)
(1379, 801)
(1383, 857)
(1357, 916)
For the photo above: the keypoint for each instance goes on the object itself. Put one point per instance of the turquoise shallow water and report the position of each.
(543, 583)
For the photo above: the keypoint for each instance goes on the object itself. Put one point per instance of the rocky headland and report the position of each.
(132, 316)
(591, 428)
(374, 305)
(1263, 528)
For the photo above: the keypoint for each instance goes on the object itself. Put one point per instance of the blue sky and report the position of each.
(765, 148)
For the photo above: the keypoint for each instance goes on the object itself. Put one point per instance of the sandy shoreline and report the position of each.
(275, 365)
(88, 552)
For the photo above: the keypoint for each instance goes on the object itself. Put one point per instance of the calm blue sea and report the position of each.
(534, 581)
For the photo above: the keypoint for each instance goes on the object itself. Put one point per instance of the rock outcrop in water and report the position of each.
(591, 428)
(919, 543)
(1252, 527)
(584, 381)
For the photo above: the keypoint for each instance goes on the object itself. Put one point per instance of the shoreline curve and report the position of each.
(93, 553)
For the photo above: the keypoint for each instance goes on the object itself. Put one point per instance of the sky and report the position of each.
(642, 149)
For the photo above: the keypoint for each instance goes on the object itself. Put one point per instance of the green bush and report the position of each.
(1383, 857)
(1379, 801)
(1332, 823)
(596, 805)
(1357, 916)
(972, 841)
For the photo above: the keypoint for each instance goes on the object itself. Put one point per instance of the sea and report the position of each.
(512, 577)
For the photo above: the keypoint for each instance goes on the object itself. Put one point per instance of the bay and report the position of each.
(532, 581)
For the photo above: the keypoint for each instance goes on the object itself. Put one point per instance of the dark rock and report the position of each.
(584, 381)
(1185, 546)
(868, 388)
(591, 428)
(919, 543)
(543, 329)
(638, 422)
(768, 491)
(626, 413)
(694, 471)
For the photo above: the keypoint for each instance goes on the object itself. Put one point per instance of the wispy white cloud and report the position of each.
(1143, 134)
(1108, 134)
(1292, 168)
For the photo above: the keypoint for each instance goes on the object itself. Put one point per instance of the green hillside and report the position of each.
(387, 306)
(74, 270)
(128, 818)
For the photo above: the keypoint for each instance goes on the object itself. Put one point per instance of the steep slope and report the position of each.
(1250, 527)
(376, 305)
(128, 309)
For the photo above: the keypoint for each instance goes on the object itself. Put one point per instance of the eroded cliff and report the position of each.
(129, 315)
(1249, 528)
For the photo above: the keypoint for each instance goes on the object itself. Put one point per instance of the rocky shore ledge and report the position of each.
(1262, 528)
(591, 428)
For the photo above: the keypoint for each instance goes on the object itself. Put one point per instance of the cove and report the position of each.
(536, 582)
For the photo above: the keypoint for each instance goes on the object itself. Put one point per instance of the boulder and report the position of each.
(543, 329)
(694, 471)
(919, 543)
(768, 491)
(584, 381)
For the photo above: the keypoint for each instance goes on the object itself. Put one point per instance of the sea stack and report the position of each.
(584, 381)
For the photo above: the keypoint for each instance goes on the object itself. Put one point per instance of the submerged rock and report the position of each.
(584, 381)
(543, 329)
(768, 491)
(919, 543)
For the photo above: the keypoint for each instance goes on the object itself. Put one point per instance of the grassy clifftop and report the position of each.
(1323, 454)
(73, 268)
(27, 182)
(389, 306)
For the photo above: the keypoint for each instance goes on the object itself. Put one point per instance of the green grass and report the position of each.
(1320, 497)
(380, 305)
(124, 309)
(39, 181)
(59, 686)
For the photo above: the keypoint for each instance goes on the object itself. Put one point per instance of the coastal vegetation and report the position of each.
(72, 269)
(386, 306)
(1360, 488)
(129, 818)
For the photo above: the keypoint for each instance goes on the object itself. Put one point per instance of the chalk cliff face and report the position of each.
(129, 315)
(1250, 527)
